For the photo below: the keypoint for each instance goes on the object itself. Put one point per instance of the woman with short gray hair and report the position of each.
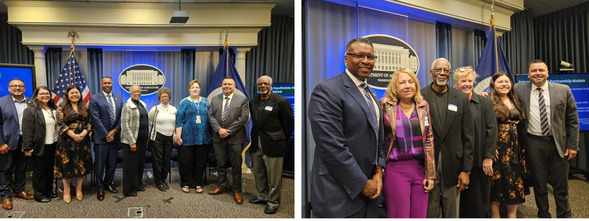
(162, 119)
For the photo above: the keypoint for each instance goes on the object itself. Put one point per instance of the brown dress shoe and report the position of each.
(7, 204)
(238, 198)
(24, 195)
(216, 191)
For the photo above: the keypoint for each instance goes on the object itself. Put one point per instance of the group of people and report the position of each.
(57, 139)
(422, 148)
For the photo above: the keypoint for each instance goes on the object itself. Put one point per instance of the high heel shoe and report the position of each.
(79, 196)
(67, 199)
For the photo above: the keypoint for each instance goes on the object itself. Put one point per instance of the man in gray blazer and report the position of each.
(228, 114)
(552, 136)
(12, 159)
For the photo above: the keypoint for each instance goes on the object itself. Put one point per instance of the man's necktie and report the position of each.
(543, 113)
(111, 111)
(225, 111)
(369, 102)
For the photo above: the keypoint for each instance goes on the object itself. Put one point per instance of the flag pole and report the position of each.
(495, 35)
(72, 34)
(226, 47)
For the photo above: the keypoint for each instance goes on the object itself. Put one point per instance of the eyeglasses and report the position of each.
(439, 71)
(17, 86)
(361, 56)
(135, 92)
(44, 94)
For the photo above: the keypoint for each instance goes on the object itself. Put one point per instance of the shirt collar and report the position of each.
(544, 87)
(24, 99)
(230, 96)
(106, 94)
(356, 81)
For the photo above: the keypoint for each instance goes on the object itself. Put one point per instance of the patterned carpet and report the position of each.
(578, 196)
(154, 204)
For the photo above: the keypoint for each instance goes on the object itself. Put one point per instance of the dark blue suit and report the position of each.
(15, 158)
(105, 153)
(347, 147)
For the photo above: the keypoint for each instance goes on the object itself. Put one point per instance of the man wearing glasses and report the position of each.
(11, 156)
(453, 141)
(346, 123)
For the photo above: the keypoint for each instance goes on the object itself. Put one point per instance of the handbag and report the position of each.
(151, 143)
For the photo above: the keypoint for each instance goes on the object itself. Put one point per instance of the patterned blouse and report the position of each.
(193, 132)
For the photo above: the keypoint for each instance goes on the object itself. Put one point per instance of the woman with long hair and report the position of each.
(39, 135)
(507, 185)
(73, 156)
(410, 172)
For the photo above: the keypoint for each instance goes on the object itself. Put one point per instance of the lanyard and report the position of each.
(196, 105)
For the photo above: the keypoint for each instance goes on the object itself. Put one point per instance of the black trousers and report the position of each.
(43, 172)
(192, 162)
(546, 166)
(133, 166)
(162, 154)
(14, 160)
(105, 163)
(474, 201)
(224, 153)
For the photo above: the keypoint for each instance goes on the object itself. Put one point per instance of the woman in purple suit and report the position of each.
(410, 172)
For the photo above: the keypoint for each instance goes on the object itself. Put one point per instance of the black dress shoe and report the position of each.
(166, 186)
(161, 187)
(270, 209)
(100, 195)
(111, 189)
(43, 200)
(132, 194)
(53, 195)
(140, 188)
(257, 201)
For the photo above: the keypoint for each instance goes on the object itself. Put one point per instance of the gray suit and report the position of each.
(546, 160)
(229, 147)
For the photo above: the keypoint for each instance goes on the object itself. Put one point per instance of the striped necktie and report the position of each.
(543, 114)
(369, 102)
(225, 111)
(111, 111)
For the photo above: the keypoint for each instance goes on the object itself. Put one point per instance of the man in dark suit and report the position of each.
(346, 123)
(105, 110)
(228, 114)
(11, 156)
(552, 136)
(453, 141)
(273, 124)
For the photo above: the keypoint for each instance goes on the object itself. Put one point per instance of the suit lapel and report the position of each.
(353, 91)
(526, 97)
(553, 100)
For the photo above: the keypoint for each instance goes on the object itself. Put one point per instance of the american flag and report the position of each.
(70, 74)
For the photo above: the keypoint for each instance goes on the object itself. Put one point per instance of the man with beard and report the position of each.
(346, 122)
(273, 124)
(453, 141)
(228, 114)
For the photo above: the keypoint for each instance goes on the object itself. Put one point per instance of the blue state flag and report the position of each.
(226, 68)
(492, 61)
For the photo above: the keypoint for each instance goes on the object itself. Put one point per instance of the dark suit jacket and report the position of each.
(98, 109)
(564, 119)
(273, 127)
(238, 116)
(485, 129)
(9, 128)
(33, 130)
(347, 147)
(455, 137)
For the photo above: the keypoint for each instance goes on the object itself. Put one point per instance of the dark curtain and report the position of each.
(187, 70)
(12, 51)
(519, 43)
(480, 39)
(564, 35)
(95, 72)
(53, 64)
(274, 55)
(444, 40)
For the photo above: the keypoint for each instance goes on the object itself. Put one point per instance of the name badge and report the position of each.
(198, 119)
(268, 108)
(426, 123)
(452, 107)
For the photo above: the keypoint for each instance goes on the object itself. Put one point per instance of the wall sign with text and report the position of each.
(148, 77)
(392, 54)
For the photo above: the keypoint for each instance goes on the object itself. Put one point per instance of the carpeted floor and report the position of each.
(154, 204)
(578, 196)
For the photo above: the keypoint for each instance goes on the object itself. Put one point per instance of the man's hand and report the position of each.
(110, 137)
(28, 153)
(463, 181)
(488, 166)
(4, 149)
(133, 147)
(223, 133)
(570, 153)
(428, 185)
(377, 178)
(370, 188)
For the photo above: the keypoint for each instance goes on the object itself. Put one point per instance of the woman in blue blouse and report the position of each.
(193, 137)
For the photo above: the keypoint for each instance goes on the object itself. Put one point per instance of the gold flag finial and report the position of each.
(72, 34)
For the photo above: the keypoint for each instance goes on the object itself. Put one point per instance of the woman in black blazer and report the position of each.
(39, 135)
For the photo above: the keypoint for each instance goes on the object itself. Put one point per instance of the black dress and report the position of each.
(73, 159)
(507, 185)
